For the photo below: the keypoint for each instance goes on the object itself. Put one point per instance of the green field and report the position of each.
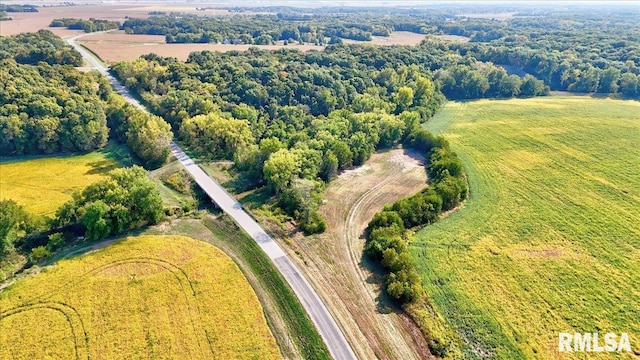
(549, 240)
(142, 297)
(43, 184)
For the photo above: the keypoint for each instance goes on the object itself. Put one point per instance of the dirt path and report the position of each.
(333, 261)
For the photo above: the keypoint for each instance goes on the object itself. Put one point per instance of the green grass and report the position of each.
(549, 240)
(43, 184)
(141, 297)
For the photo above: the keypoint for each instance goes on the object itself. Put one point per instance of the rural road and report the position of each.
(324, 322)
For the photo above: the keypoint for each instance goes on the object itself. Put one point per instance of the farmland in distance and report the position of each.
(549, 240)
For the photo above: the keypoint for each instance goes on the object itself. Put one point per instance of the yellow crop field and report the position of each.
(42, 185)
(151, 297)
(549, 240)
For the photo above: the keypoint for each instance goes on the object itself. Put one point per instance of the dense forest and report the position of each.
(582, 49)
(48, 109)
(91, 25)
(258, 29)
(32, 48)
(292, 120)
(47, 106)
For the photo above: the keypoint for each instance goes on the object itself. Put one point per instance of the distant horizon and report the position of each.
(326, 3)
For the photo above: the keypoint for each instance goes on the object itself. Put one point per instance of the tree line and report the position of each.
(387, 233)
(589, 49)
(17, 8)
(91, 25)
(257, 29)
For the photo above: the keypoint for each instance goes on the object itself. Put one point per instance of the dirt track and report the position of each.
(333, 261)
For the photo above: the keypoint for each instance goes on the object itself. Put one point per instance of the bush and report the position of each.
(56, 241)
(178, 182)
(385, 219)
(38, 254)
(126, 199)
(314, 225)
(383, 238)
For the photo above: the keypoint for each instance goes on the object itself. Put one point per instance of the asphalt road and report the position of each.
(324, 322)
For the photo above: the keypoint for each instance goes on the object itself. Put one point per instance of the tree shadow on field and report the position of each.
(79, 247)
(102, 167)
(119, 153)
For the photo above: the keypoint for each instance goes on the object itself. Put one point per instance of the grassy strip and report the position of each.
(302, 330)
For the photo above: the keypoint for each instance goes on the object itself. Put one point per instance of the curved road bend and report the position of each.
(324, 322)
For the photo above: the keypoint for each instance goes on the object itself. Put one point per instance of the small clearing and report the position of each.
(334, 264)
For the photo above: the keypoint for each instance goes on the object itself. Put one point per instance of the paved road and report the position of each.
(327, 327)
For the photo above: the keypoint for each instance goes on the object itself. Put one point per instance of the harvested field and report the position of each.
(333, 260)
(42, 185)
(549, 239)
(396, 38)
(31, 22)
(117, 46)
(142, 297)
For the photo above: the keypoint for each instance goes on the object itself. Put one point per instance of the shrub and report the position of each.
(56, 241)
(178, 182)
(314, 225)
(38, 254)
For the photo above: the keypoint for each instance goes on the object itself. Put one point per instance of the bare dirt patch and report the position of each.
(334, 264)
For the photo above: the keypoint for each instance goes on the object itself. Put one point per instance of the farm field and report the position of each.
(43, 184)
(549, 240)
(396, 38)
(333, 261)
(31, 22)
(141, 297)
(118, 46)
